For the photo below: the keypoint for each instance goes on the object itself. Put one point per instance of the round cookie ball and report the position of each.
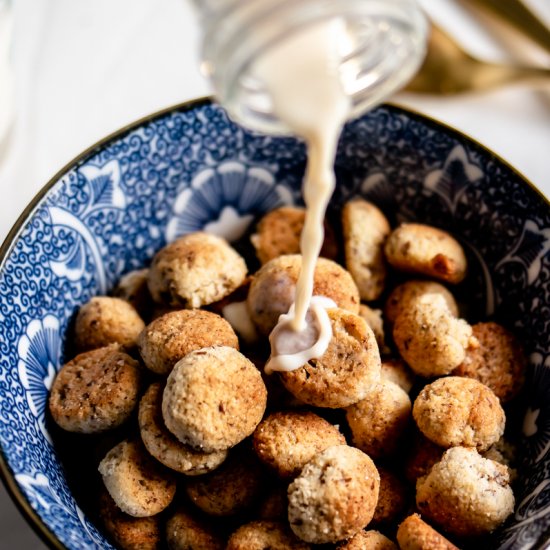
(107, 320)
(404, 294)
(164, 446)
(421, 456)
(138, 484)
(285, 441)
(465, 494)
(365, 230)
(398, 372)
(173, 335)
(334, 496)
(373, 317)
(127, 532)
(262, 535)
(379, 420)
(185, 532)
(498, 361)
(459, 411)
(273, 289)
(213, 399)
(368, 540)
(392, 498)
(415, 534)
(278, 233)
(96, 391)
(232, 488)
(195, 270)
(431, 340)
(349, 367)
(423, 249)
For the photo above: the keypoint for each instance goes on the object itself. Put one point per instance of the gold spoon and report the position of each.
(448, 70)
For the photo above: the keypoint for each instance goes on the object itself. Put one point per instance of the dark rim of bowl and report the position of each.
(6, 473)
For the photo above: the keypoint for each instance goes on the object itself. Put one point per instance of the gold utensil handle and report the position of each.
(516, 13)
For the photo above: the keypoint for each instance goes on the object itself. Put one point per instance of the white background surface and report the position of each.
(85, 68)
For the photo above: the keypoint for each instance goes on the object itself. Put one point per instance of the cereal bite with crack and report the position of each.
(195, 270)
(401, 414)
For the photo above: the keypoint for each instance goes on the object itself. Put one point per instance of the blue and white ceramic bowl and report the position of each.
(191, 168)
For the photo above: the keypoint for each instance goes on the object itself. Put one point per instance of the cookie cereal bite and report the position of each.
(334, 497)
(127, 532)
(195, 270)
(373, 317)
(138, 484)
(344, 374)
(214, 398)
(456, 411)
(96, 391)
(184, 532)
(429, 338)
(465, 494)
(378, 421)
(404, 294)
(368, 540)
(132, 287)
(416, 534)
(164, 446)
(278, 233)
(365, 230)
(392, 498)
(287, 440)
(173, 335)
(421, 456)
(262, 535)
(107, 320)
(398, 372)
(232, 488)
(498, 361)
(423, 249)
(273, 289)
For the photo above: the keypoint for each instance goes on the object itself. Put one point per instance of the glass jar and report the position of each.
(384, 46)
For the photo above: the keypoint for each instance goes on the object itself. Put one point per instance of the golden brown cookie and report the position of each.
(349, 367)
(127, 532)
(195, 270)
(368, 540)
(431, 340)
(286, 440)
(278, 233)
(380, 419)
(107, 320)
(139, 485)
(96, 391)
(185, 532)
(423, 249)
(373, 317)
(334, 496)
(459, 411)
(164, 446)
(173, 335)
(265, 535)
(421, 455)
(213, 399)
(392, 498)
(274, 286)
(498, 361)
(415, 534)
(232, 488)
(365, 230)
(465, 494)
(402, 295)
(398, 372)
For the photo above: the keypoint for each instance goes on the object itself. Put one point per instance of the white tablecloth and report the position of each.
(83, 69)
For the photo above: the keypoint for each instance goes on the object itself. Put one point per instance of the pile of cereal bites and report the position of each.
(393, 437)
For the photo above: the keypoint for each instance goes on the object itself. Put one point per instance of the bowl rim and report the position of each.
(6, 474)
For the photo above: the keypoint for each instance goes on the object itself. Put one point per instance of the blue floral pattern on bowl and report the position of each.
(191, 168)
